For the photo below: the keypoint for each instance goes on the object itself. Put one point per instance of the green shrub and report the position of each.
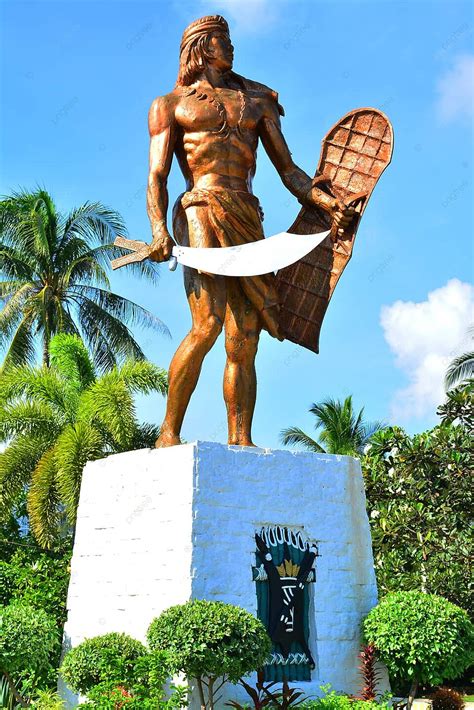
(145, 689)
(47, 700)
(421, 638)
(209, 640)
(331, 700)
(27, 638)
(110, 657)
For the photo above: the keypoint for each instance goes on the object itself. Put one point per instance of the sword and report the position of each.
(254, 259)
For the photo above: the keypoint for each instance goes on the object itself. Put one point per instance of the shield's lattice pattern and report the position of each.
(354, 154)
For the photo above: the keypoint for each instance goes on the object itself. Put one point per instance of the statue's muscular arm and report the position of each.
(162, 127)
(295, 179)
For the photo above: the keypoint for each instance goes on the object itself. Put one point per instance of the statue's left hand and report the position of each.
(342, 217)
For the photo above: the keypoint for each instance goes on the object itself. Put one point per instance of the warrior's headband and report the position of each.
(204, 26)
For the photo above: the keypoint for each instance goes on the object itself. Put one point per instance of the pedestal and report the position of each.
(159, 527)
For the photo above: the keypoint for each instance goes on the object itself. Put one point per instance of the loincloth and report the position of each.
(228, 218)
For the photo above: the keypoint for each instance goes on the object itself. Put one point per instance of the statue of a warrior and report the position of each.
(212, 121)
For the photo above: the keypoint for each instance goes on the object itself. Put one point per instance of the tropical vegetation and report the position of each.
(341, 429)
(53, 279)
(211, 643)
(421, 638)
(420, 500)
(54, 419)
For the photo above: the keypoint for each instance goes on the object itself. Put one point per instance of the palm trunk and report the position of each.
(46, 350)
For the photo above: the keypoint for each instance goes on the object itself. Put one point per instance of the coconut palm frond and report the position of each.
(460, 370)
(294, 435)
(64, 262)
(107, 336)
(22, 348)
(342, 430)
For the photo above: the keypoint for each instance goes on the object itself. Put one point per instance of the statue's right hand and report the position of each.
(161, 246)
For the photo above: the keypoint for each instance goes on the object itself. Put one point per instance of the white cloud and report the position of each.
(424, 338)
(456, 90)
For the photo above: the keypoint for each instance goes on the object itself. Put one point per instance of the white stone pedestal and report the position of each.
(159, 527)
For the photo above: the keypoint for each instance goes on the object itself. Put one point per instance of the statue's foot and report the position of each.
(167, 438)
(244, 441)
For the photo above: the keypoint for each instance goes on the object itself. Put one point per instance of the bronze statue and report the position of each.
(212, 121)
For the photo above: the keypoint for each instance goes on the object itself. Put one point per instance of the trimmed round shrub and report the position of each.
(27, 638)
(110, 657)
(420, 637)
(204, 638)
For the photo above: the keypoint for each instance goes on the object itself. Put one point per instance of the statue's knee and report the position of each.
(241, 347)
(208, 328)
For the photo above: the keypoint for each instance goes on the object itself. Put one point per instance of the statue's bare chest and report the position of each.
(217, 110)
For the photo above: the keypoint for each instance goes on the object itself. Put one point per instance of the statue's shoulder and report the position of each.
(259, 90)
(162, 111)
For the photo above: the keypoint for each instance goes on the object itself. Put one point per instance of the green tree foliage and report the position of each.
(110, 657)
(53, 278)
(459, 406)
(55, 419)
(37, 578)
(341, 429)
(28, 636)
(419, 499)
(421, 638)
(209, 640)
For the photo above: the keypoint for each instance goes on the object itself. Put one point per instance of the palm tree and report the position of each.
(461, 368)
(53, 278)
(342, 431)
(55, 419)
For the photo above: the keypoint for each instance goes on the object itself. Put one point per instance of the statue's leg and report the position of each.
(207, 300)
(242, 330)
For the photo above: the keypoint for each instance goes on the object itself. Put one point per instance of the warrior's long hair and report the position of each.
(193, 59)
(194, 52)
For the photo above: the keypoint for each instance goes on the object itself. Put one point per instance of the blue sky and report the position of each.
(77, 82)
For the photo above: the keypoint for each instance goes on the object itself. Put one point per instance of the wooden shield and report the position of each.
(354, 154)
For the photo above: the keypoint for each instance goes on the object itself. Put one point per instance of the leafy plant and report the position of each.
(27, 639)
(331, 700)
(53, 271)
(421, 638)
(56, 419)
(210, 640)
(419, 497)
(47, 700)
(459, 406)
(264, 695)
(107, 658)
(342, 431)
(367, 669)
